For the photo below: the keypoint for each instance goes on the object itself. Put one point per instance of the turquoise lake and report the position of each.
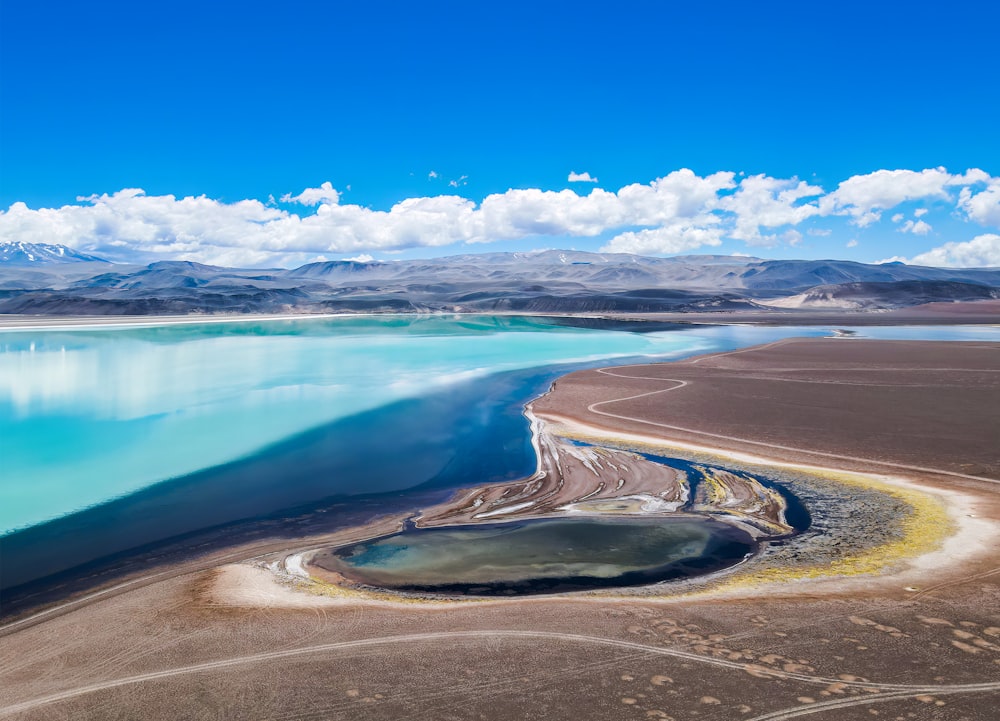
(91, 414)
(118, 436)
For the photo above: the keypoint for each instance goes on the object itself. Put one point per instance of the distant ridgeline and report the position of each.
(56, 280)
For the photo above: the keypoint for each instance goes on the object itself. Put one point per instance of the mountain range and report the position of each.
(56, 280)
(28, 254)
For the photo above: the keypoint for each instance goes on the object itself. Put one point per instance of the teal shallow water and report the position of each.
(89, 415)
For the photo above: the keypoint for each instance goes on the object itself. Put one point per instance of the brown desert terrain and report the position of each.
(890, 609)
(901, 404)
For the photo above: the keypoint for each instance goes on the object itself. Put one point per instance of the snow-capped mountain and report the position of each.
(17, 253)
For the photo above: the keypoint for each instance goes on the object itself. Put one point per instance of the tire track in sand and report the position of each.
(809, 709)
(594, 408)
(902, 690)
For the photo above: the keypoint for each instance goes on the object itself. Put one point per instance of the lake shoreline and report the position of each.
(291, 524)
(958, 313)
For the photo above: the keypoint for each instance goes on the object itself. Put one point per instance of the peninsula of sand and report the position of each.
(872, 434)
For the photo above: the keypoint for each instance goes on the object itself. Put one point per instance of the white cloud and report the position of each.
(917, 228)
(680, 198)
(530, 211)
(920, 212)
(130, 224)
(982, 207)
(584, 177)
(246, 232)
(864, 197)
(981, 251)
(129, 220)
(852, 243)
(792, 237)
(679, 194)
(462, 180)
(674, 238)
(312, 196)
(898, 218)
(363, 258)
(431, 175)
(678, 212)
(767, 202)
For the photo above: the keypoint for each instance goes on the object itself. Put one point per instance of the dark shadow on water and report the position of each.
(620, 324)
(396, 456)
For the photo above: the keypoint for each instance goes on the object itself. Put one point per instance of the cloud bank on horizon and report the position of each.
(680, 212)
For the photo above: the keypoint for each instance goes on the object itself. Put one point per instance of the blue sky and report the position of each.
(250, 101)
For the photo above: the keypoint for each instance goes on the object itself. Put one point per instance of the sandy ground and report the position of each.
(232, 642)
(971, 312)
(571, 479)
(919, 406)
(969, 542)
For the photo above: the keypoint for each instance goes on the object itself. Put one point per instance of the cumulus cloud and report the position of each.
(681, 211)
(314, 196)
(129, 220)
(246, 232)
(864, 197)
(584, 177)
(982, 207)
(792, 237)
(767, 202)
(918, 227)
(249, 232)
(981, 251)
(673, 238)
(681, 194)
(678, 199)
(852, 243)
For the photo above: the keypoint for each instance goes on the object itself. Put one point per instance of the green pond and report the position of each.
(540, 556)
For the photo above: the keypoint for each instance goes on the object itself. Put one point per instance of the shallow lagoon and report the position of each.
(541, 556)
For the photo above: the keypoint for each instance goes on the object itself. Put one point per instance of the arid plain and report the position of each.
(889, 607)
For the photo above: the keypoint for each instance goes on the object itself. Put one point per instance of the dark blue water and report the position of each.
(471, 433)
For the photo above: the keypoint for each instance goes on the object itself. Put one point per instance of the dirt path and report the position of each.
(899, 690)
(677, 384)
